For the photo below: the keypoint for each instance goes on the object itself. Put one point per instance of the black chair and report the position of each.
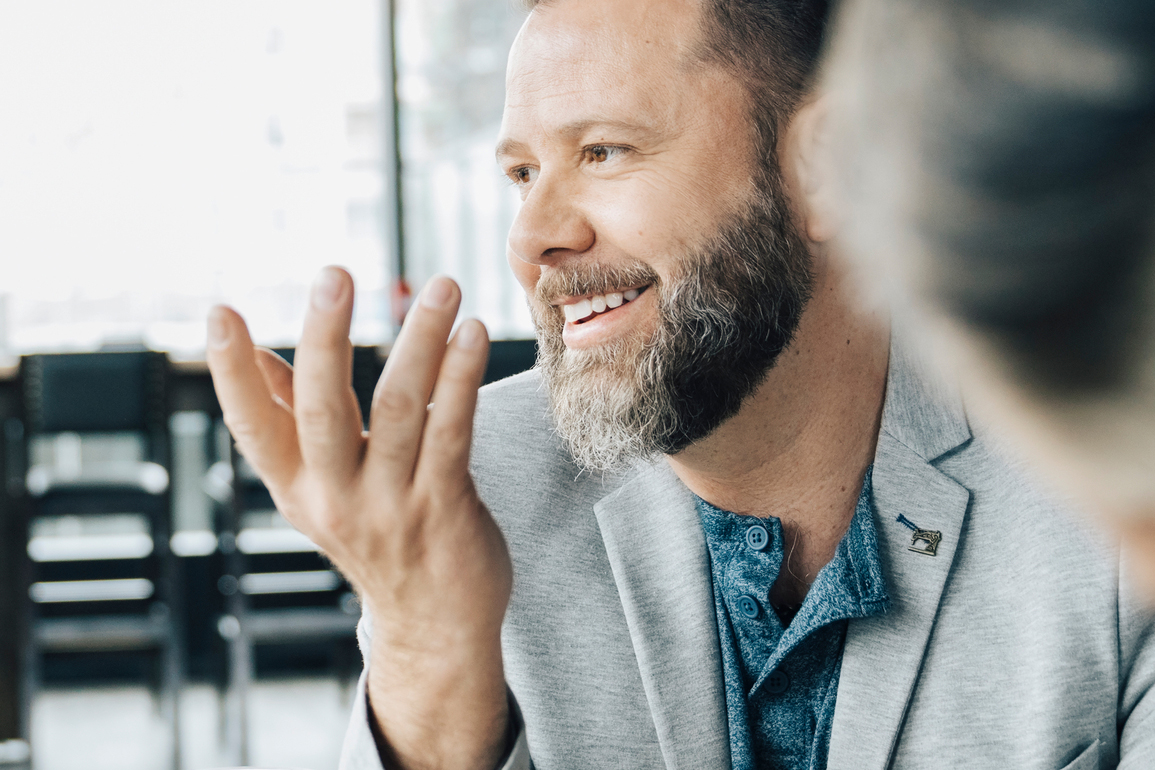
(14, 728)
(103, 580)
(509, 357)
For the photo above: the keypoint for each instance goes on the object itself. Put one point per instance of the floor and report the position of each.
(294, 723)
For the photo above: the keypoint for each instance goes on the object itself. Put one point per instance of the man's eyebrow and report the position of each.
(509, 147)
(577, 128)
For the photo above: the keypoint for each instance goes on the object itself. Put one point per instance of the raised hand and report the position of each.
(394, 508)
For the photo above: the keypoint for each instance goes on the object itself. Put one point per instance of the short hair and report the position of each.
(771, 46)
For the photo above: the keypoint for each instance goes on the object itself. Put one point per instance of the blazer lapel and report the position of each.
(658, 555)
(883, 654)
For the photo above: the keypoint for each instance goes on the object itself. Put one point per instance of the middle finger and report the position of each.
(397, 417)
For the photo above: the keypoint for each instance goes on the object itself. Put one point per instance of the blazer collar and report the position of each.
(658, 555)
(921, 411)
(922, 421)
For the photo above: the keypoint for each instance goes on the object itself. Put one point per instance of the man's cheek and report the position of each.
(648, 226)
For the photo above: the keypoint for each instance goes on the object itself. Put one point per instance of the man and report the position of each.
(743, 531)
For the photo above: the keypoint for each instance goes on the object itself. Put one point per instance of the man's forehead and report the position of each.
(667, 20)
(622, 54)
(607, 36)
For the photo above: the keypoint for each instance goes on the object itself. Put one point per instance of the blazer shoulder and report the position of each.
(513, 431)
(516, 406)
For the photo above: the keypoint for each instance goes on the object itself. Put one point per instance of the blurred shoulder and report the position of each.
(513, 424)
(1019, 527)
(516, 404)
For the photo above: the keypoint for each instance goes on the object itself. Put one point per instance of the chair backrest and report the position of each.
(98, 393)
(97, 442)
(510, 357)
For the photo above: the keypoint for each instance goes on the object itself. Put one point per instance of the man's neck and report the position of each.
(800, 445)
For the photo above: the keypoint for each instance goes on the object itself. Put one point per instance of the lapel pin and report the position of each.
(927, 538)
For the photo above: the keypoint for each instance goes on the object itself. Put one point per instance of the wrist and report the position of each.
(439, 708)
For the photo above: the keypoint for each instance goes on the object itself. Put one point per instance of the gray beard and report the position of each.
(723, 320)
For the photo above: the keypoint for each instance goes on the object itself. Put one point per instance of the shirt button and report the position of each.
(778, 682)
(757, 537)
(749, 607)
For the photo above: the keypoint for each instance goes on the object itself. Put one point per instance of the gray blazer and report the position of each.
(1015, 646)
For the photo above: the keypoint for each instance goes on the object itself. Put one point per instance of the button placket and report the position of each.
(750, 574)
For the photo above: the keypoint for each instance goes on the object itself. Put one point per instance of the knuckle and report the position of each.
(246, 433)
(331, 525)
(461, 369)
(324, 519)
(394, 402)
(446, 436)
(316, 417)
(390, 451)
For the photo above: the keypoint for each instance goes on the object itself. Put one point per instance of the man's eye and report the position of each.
(522, 175)
(600, 153)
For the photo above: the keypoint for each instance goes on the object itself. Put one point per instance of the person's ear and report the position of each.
(809, 160)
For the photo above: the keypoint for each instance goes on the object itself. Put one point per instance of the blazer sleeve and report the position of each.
(359, 751)
(1137, 678)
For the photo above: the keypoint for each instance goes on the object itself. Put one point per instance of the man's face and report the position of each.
(662, 269)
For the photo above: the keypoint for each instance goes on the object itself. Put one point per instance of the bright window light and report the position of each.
(156, 158)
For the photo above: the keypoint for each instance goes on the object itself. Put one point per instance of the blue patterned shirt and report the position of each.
(781, 682)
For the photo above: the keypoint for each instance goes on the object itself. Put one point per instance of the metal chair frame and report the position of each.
(52, 385)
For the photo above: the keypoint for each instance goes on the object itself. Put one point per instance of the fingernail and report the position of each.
(218, 336)
(438, 293)
(470, 335)
(327, 289)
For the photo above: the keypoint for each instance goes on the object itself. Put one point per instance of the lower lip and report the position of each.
(605, 327)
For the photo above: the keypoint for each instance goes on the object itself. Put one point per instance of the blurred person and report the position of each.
(728, 520)
(999, 167)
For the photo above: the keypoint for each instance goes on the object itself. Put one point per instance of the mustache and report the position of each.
(590, 278)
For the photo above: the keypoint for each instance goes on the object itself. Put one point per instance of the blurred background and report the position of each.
(157, 158)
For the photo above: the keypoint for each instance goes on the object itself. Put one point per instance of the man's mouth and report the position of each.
(584, 309)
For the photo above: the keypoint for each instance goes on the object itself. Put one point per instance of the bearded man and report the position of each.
(743, 529)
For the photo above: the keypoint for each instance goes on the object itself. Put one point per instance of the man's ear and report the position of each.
(807, 159)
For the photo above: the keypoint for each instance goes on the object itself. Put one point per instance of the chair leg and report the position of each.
(170, 702)
(32, 677)
(237, 701)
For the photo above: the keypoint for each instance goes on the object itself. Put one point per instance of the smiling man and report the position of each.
(726, 522)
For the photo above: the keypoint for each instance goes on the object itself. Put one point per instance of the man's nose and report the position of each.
(551, 225)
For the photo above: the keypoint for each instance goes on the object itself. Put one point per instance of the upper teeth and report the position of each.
(598, 303)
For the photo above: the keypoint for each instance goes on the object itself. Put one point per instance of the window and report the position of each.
(457, 205)
(156, 158)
